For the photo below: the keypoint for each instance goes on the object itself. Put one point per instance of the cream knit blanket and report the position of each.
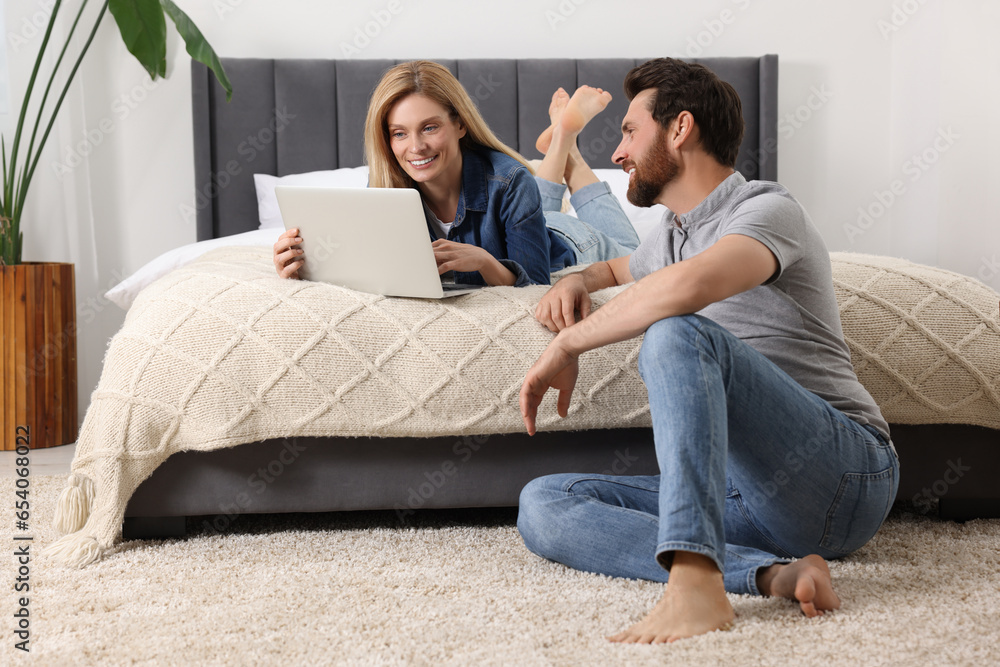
(222, 352)
(925, 342)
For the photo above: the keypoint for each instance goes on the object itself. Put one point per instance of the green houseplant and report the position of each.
(38, 382)
(143, 28)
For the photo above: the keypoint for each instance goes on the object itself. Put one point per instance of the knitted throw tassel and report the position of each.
(75, 550)
(73, 506)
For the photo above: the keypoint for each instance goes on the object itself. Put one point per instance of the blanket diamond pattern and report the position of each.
(222, 352)
(231, 352)
(925, 342)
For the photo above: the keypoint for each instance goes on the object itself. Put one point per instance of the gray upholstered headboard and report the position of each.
(293, 116)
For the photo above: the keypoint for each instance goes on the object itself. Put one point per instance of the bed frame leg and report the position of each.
(153, 527)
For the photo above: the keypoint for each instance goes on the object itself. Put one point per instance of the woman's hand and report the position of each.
(465, 257)
(452, 256)
(556, 368)
(288, 258)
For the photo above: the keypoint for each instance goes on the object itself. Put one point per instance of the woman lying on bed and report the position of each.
(483, 206)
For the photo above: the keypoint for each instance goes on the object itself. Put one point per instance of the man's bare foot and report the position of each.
(806, 580)
(560, 99)
(694, 603)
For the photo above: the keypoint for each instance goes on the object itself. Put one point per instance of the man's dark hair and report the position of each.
(681, 86)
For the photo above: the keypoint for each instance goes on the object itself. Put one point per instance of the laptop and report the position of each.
(367, 239)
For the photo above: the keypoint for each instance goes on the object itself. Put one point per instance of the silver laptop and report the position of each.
(368, 239)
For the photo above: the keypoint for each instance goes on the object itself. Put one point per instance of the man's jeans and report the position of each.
(600, 230)
(755, 470)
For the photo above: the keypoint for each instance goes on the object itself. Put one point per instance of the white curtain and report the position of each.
(58, 218)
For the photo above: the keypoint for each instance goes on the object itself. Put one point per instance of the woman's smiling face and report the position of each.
(425, 139)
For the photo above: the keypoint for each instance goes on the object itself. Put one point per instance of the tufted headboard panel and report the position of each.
(295, 115)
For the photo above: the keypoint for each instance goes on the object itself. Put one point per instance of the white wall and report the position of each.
(886, 136)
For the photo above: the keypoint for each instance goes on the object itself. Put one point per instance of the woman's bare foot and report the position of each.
(694, 603)
(563, 162)
(571, 114)
(586, 103)
(806, 581)
(560, 99)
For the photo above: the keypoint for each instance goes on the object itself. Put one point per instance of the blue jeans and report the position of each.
(600, 230)
(755, 470)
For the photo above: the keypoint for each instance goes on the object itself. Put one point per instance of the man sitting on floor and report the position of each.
(770, 449)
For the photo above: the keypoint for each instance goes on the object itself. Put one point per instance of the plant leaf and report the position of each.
(197, 46)
(144, 31)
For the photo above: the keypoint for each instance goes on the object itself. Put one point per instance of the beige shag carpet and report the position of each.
(459, 588)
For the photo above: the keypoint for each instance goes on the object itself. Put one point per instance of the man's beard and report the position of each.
(655, 171)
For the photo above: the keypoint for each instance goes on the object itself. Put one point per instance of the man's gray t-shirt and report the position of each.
(792, 319)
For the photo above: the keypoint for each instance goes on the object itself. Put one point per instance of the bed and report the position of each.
(293, 117)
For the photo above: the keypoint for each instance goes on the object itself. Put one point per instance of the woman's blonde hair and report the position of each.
(436, 83)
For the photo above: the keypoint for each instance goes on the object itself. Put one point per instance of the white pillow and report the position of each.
(267, 203)
(124, 293)
(643, 219)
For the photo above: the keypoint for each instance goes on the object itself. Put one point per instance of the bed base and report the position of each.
(945, 468)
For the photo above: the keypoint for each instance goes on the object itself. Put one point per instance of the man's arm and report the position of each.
(607, 274)
(571, 293)
(734, 264)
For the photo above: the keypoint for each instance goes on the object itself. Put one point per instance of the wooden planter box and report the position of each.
(38, 354)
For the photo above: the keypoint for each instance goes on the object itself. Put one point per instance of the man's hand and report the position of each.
(556, 368)
(557, 308)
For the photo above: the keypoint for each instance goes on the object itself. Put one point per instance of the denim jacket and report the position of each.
(500, 210)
